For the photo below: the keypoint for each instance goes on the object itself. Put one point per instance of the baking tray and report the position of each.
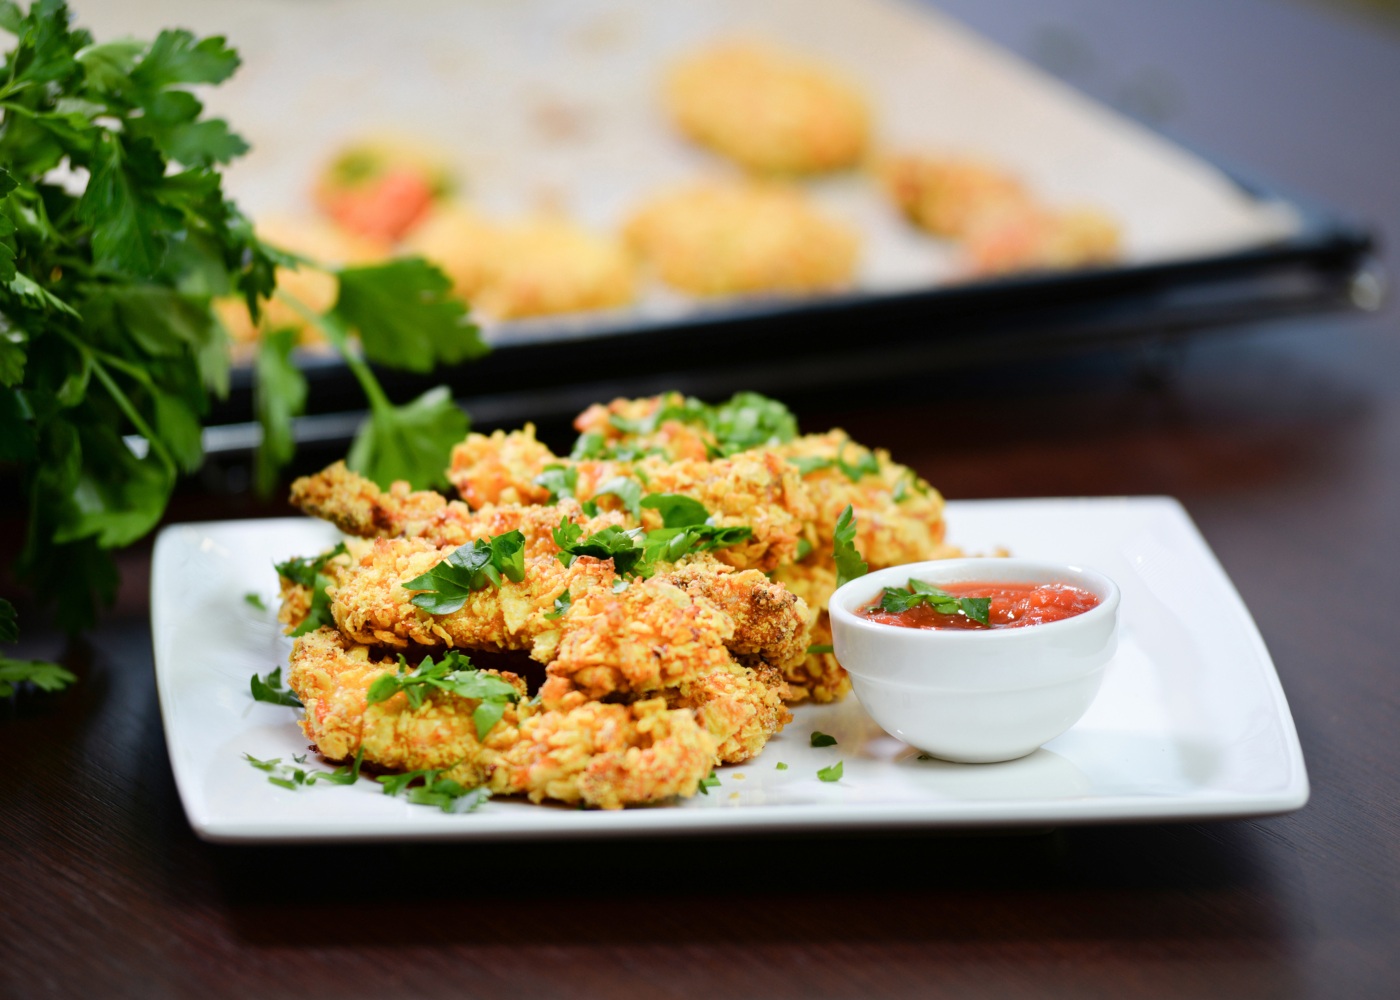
(1204, 250)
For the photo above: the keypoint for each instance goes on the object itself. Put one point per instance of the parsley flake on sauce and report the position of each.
(897, 599)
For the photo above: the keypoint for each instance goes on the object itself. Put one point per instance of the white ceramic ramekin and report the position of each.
(984, 695)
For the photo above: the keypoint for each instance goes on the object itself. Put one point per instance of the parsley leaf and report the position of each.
(562, 604)
(820, 739)
(454, 674)
(560, 480)
(623, 546)
(303, 570)
(896, 600)
(292, 778)
(254, 600)
(270, 690)
(711, 780)
(469, 568)
(849, 564)
(448, 795)
(832, 773)
(44, 675)
(405, 315)
(677, 509)
(407, 442)
(279, 394)
(629, 491)
(819, 648)
(781, 766)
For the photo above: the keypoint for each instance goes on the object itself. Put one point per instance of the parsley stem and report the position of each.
(124, 403)
(340, 339)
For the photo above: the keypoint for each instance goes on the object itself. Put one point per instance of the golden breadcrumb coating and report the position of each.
(951, 196)
(770, 622)
(601, 755)
(535, 268)
(767, 109)
(1038, 239)
(674, 438)
(899, 516)
(742, 238)
(756, 489)
(500, 468)
(819, 676)
(741, 708)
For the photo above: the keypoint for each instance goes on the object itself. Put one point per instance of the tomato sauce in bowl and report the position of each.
(1013, 605)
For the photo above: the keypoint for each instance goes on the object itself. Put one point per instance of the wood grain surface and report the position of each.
(1283, 442)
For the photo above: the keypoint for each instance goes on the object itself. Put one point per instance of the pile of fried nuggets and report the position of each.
(648, 682)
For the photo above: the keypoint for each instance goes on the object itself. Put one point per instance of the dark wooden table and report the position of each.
(1283, 443)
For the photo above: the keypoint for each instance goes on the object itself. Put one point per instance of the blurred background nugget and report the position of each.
(768, 110)
(539, 267)
(380, 188)
(1000, 223)
(732, 238)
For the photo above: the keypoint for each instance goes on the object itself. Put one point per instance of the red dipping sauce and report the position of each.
(1013, 606)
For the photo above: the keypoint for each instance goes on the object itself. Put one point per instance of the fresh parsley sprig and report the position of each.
(292, 778)
(898, 599)
(624, 546)
(453, 674)
(471, 567)
(108, 271)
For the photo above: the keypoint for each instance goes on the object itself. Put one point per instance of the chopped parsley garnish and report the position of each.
(866, 465)
(254, 600)
(896, 599)
(622, 545)
(820, 739)
(560, 480)
(291, 778)
(270, 690)
(470, 568)
(818, 648)
(306, 572)
(781, 766)
(709, 781)
(454, 674)
(303, 570)
(448, 795)
(746, 421)
(804, 549)
(562, 604)
(849, 564)
(832, 773)
(629, 491)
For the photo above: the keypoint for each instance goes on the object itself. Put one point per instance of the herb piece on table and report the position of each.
(270, 690)
(820, 739)
(471, 567)
(897, 599)
(43, 674)
(832, 773)
(849, 563)
(710, 780)
(453, 674)
(781, 766)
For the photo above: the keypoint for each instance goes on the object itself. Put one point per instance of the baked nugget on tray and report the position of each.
(742, 237)
(768, 109)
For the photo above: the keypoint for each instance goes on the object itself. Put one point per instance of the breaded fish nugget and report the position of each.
(768, 110)
(602, 755)
(951, 196)
(742, 238)
(1038, 239)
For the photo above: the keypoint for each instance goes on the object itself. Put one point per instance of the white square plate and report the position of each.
(1191, 721)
